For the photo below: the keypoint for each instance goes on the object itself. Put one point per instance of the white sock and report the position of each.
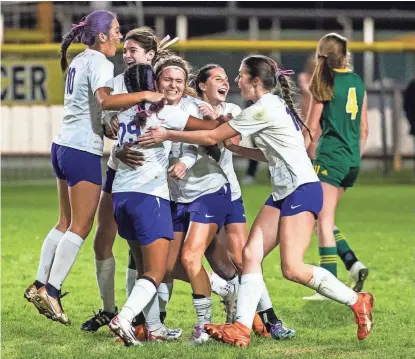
(164, 294)
(218, 285)
(105, 273)
(47, 254)
(152, 314)
(328, 285)
(140, 296)
(65, 257)
(130, 278)
(203, 308)
(264, 302)
(250, 291)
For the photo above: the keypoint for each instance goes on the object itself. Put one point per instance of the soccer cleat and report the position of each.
(30, 292)
(163, 334)
(235, 334)
(199, 336)
(140, 333)
(229, 294)
(358, 274)
(98, 320)
(362, 310)
(259, 327)
(315, 296)
(279, 332)
(50, 307)
(123, 329)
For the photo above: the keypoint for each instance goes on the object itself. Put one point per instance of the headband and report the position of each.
(173, 67)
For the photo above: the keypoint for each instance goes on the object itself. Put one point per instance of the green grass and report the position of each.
(377, 219)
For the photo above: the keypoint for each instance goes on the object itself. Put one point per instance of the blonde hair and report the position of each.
(331, 54)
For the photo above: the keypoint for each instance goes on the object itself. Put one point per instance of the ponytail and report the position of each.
(286, 95)
(74, 34)
(322, 81)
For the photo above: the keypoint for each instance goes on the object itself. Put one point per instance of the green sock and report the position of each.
(328, 259)
(343, 249)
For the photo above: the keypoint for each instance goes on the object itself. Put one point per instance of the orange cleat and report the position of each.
(362, 310)
(140, 333)
(259, 327)
(235, 334)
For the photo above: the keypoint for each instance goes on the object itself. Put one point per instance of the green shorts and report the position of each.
(338, 176)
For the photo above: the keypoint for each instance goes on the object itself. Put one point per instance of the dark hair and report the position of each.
(331, 54)
(86, 31)
(137, 78)
(175, 60)
(266, 69)
(202, 76)
(148, 40)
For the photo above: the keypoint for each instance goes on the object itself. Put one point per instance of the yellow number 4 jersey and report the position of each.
(340, 122)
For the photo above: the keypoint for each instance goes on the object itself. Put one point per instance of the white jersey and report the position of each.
(226, 158)
(117, 86)
(151, 178)
(81, 126)
(205, 176)
(277, 134)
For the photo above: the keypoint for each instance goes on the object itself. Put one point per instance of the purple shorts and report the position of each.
(109, 180)
(142, 217)
(210, 208)
(308, 197)
(237, 212)
(75, 165)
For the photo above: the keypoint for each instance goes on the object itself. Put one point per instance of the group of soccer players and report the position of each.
(171, 189)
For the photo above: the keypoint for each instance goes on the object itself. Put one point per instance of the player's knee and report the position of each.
(250, 256)
(190, 258)
(156, 275)
(82, 229)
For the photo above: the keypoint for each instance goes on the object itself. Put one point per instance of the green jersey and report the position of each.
(340, 122)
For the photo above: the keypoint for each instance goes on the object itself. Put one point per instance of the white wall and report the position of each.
(31, 130)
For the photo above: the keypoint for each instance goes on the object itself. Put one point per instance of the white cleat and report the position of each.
(248, 180)
(123, 329)
(163, 334)
(358, 274)
(229, 294)
(316, 296)
(199, 336)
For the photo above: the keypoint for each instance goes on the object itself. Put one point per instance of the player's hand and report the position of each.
(152, 136)
(151, 96)
(228, 143)
(178, 170)
(129, 156)
(207, 111)
(111, 130)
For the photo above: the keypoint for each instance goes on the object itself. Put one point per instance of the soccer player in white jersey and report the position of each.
(141, 200)
(212, 86)
(141, 46)
(289, 215)
(76, 154)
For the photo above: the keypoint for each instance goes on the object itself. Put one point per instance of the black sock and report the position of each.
(139, 319)
(163, 316)
(198, 296)
(38, 284)
(348, 259)
(269, 317)
(52, 291)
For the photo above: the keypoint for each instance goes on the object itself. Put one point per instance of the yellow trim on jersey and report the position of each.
(341, 70)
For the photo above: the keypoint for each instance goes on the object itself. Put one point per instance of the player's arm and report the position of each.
(203, 137)
(106, 101)
(195, 124)
(364, 126)
(313, 122)
(251, 153)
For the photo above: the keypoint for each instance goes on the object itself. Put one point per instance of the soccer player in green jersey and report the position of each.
(338, 116)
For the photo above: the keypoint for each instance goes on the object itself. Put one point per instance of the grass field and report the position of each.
(377, 219)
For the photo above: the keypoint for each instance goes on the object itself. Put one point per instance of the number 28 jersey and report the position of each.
(339, 143)
(81, 126)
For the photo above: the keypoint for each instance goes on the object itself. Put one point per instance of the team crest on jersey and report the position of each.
(259, 116)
